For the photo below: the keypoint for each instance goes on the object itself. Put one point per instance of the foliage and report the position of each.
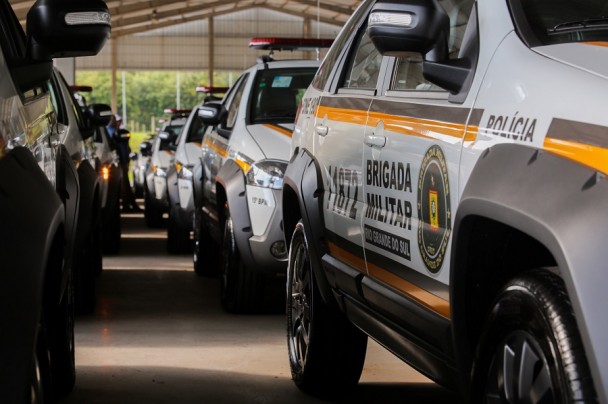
(148, 93)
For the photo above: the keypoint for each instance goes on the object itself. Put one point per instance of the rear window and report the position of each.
(277, 94)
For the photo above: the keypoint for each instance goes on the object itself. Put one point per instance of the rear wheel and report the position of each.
(240, 287)
(205, 256)
(326, 351)
(531, 351)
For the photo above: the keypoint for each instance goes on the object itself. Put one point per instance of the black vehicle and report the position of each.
(39, 198)
(107, 167)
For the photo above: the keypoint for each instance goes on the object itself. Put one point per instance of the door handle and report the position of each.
(321, 130)
(375, 141)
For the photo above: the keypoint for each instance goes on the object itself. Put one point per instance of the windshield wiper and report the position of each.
(588, 23)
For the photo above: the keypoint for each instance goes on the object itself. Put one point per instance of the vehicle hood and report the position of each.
(274, 140)
(591, 57)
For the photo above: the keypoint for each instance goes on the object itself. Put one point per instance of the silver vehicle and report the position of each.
(238, 187)
(179, 175)
(39, 198)
(446, 195)
(156, 202)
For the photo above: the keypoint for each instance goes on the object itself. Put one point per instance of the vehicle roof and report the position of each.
(281, 64)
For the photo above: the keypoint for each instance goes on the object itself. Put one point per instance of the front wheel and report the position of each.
(40, 386)
(240, 287)
(178, 238)
(326, 351)
(153, 214)
(204, 257)
(531, 350)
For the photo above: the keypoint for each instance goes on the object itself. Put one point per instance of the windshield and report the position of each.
(547, 22)
(277, 93)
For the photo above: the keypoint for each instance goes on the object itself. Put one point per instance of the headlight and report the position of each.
(159, 171)
(183, 171)
(267, 174)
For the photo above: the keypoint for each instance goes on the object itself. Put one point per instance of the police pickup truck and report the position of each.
(446, 195)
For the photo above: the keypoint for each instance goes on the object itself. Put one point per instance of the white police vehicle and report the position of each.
(156, 202)
(39, 197)
(446, 195)
(237, 191)
(179, 176)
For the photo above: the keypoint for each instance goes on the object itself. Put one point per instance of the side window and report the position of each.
(334, 53)
(235, 102)
(407, 74)
(364, 65)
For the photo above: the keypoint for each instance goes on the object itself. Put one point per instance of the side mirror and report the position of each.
(419, 26)
(164, 136)
(132, 156)
(212, 113)
(145, 148)
(99, 114)
(59, 28)
(124, 135)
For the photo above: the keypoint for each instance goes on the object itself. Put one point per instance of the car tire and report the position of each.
(61, 343)
(531, 326)
(204, 248)
(240, 287)
(153, 214)
(326, 351)
(112, 227)
(40, 385)
(178, 239)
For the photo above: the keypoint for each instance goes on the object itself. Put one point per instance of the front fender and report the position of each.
(231, 178)
(562, 205)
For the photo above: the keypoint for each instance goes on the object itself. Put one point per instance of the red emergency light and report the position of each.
(211, 90)
(175, 111)
(289, 43)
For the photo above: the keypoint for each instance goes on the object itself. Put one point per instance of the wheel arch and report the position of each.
(528, 219)
(231, 189)
(303, 199)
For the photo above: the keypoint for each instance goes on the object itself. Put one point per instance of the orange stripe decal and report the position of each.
(425, 128)
(278, 129)
(598, 43)
(218, 149)
(424, 297)
(591, 156)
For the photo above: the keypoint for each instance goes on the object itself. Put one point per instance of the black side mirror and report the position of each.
(145, 148)
(420, 26)
(99, 114)
(67, 28)
(212, 113)
(124, 135)
(164, 136)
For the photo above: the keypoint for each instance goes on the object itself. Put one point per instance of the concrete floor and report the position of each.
(160, 336)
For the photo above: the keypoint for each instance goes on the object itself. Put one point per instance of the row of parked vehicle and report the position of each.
(54, 195)
(442, 190)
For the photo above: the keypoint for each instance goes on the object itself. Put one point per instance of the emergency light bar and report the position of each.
(174, 111)
(80, 89)
(211, 90)
(289, 43)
